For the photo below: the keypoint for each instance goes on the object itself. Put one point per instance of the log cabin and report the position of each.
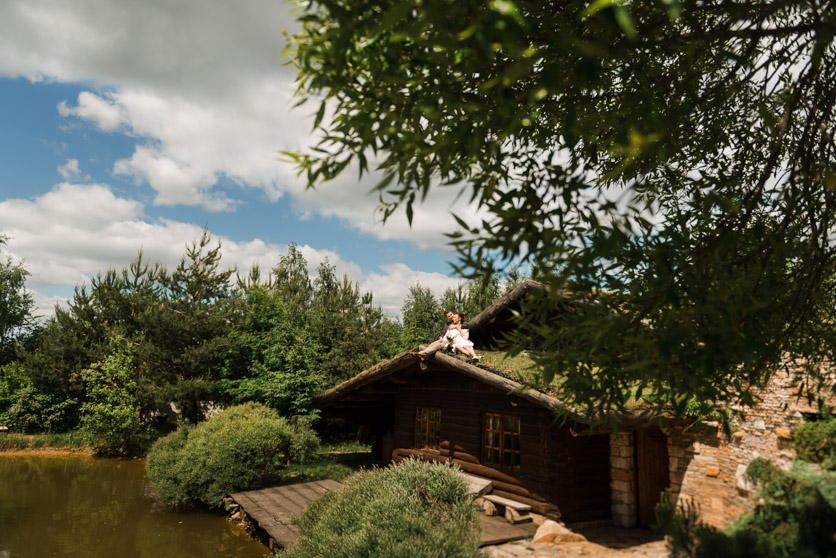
(441, 408)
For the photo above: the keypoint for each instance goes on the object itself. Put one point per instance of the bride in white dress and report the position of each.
(455, 336)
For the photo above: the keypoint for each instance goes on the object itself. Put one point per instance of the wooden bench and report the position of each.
(515, 512)
(477, 485)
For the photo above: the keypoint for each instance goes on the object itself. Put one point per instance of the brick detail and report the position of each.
(623, 479)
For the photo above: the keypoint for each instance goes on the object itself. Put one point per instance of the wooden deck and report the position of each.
(495, 530)
(272, 507)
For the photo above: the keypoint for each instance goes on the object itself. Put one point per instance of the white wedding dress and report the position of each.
(458, 340)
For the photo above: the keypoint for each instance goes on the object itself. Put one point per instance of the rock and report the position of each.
(489, 508)
(742, 481)
(554, 532)
(783, 433)
(513, 516)
(538, 519)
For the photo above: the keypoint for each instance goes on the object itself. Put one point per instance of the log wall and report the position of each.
(555, 468)
(581, 480)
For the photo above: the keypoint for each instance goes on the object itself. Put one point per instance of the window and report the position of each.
(427, 427)
(502, 440)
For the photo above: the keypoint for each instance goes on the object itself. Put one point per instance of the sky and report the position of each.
(130, 125)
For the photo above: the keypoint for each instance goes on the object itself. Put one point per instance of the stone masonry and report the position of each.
(707, 467)
(623, 479)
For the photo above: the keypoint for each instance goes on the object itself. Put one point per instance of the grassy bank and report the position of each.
(68, 441)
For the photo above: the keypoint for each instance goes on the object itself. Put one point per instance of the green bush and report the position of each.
(824, 481)
(110, 418)
(304, 442)
(13, 379)
(38, 411)
(794, 514)
(816, 441)
(225, 454)
(414, 509)
(163, 466)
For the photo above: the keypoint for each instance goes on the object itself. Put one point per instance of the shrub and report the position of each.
(794, 514)
(793, 519)
(413, 509)
(13, 379)
(228, 453)
(816, 441)
(163, 466)
(110, 418)
(304, 442)
(38, 411)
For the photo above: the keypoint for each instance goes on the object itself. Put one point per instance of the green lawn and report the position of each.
(333, 461)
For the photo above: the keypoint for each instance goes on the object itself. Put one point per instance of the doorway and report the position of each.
(652, 472)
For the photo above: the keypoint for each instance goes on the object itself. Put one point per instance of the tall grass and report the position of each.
(64, 440)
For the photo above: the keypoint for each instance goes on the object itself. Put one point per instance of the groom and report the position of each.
(441, 342)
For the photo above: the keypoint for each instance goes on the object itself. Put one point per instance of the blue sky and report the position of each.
(128, 125)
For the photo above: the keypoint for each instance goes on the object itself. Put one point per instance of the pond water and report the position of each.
(86, 507)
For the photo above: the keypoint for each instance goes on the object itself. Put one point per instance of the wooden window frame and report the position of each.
(501, 447)
(427, 433)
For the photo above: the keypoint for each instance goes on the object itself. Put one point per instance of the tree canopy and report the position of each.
(669, 162)
(16, 306)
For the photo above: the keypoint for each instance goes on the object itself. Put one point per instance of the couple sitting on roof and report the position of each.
(455, 335)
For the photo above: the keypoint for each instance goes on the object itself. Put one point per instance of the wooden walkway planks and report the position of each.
(273, 507)
(495, 530)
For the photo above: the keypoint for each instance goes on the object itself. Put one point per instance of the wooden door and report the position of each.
(652, 471)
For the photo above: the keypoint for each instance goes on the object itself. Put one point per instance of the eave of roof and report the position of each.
(404, 360)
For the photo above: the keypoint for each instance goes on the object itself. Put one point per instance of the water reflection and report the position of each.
(85, 507)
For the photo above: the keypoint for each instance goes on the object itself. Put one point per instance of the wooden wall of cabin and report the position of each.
(546, 475)
(581, 478)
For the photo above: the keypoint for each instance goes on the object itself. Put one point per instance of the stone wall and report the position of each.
(623, 479)
(708, 468)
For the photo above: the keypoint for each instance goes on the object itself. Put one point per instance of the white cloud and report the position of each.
(391, 285)
(74, 231)
(45, 304)
(102, 112)
(200, 85)
(176, 183)
(71, 171)
(431, 220)
(202, 49)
